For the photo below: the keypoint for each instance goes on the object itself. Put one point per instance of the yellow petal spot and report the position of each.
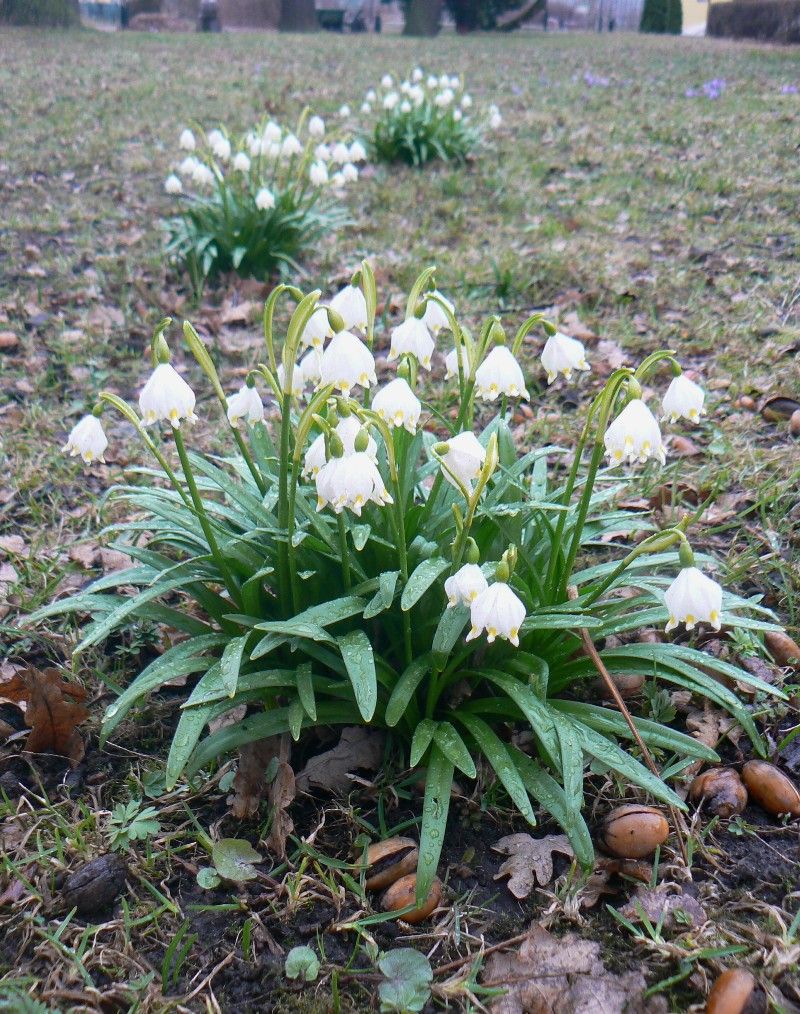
(713, 617)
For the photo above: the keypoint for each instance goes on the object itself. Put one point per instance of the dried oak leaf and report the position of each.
(530, 860)
(678, 910)
(357, 749)
(53, 710)
(281, 793)
(552, 975)
(711, 724)
(250, 784)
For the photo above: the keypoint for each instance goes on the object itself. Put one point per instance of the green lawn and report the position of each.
(645, 218)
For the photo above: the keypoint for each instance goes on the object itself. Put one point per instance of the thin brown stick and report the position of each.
(452, 966)
(593, 653)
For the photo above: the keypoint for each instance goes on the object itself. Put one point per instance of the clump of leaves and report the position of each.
(320, 584)
(130, 822)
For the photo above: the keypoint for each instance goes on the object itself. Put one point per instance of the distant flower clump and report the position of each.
(709, 89)
(594, 80)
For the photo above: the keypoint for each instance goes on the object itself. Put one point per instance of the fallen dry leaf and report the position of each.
(530, 860)
(667, 902)
(8, 340)
(683, 447)
(552, 975)
(52, 717)
(710, 724)
(281, 793)
(85, 553)
(249, 785)
(572, 325)
(14, 545)
(239, 313)
(357, 749)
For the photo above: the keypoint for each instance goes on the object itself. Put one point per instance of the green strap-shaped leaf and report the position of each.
(360, 664)
(571, 762)
(305, 691)
(497, 754)
(405, 688)
(231, 663)
(209, 688)
(544, 788)
(384, 596)
(451, 625)
(295, 716)
(184, 741)
(295, 628)
(535, 710)
(454, 748)
(421, 579)
(438, 783)
(421, 740)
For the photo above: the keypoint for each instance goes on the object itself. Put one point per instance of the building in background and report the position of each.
(695, 15)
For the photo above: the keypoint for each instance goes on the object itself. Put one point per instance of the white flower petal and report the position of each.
(693, 598)
(465, 585)
(398, 405)
(498, 612)
(347, 363)
(87, 439)
(500, 373)
(634, 436)
(563, 354)
(683, 400)
(166, 397)
(412, 337)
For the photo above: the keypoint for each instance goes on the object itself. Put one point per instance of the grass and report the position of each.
(658, 220)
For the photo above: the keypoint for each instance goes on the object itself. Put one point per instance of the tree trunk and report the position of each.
(298, 16)
(422, 17)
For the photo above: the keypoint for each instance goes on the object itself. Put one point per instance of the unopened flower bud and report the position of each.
(335, 320)
(336, 445)
(362, 440)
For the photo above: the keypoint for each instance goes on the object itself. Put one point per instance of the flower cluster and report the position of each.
(252, 203)
(425, 116)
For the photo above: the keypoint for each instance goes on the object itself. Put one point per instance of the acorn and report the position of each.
(720, 790)
(734, 992)
(404, 892)
(388, 861)
(629, 684)
(771, 789)
(633, 831)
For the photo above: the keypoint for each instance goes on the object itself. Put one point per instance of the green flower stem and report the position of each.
(285, 554)
(344, 550)
(655, 543)
(202, 517)
(648, 364)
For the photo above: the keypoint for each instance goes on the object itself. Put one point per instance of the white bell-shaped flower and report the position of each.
(349, 172)
(634, 436)
(463, 459)
(166, 397)
(417, 95)
(495, 119)
(417, 74)
(693, 598)
(500, 373)
(172, 184)
(435, 318)
(241, 162)
(270, 149)
(344, 111)
(316, 126)
(390, 101)
(253, 142)
(451, 362)
(371, 95)
(466, 101)
(298, 380)
(340, 153)
(405, 106)
(499, 612)
(398, 405)
(347, 363)
(348, 429)
(358, 153)
(457, 115)
(444, 81)
(465, 585)
(317, 329)
(562, 354)
(265, 199)
(311, 365)
(366, 108)
(187, 141)
(412, 337)
(433, 81)
(318, 174)
(245, 406)
(405, 87)
(351, 306)
(314, 458)
(187, 165)
(87, 439)
(337, 180)
(272, 132)
(202, 175)
(220, 145)
(387, 81)
(444, 98)
(322, 152)
(351, 481)
(291, 146)
(683, 400)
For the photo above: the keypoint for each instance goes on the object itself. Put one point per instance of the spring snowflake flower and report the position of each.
(435, 318)
(348, 429)
(417, 95)
(500, 373)
(245, 406)
(338, 180)
(371, 95)
(253, 142)
(451, 363)
(322, 153)
(444, 81)
(351, 305)
(187, 141)
(349, 172)
(417, 75)
(457, 115)
(166, 397)
(340, 153)
(311, 365)
(495, 119)
(463, 459)
(265, 199)
(202, 175)
(358, 153)
(405, 87)
(562, 354)
(272, 132)
(693, 598)
(412, 337)
(398, 405)
(405, 106)
(172, 184)
(387, 81)
(187, 165)
(316, 126)
(465, 585)
(241, 162)
(455, 82)
(346, 363)
(271, 149)
(444, 98)
(298, 380)
(466, 101)
(316, 330)
(634, 436)
(344, 111)
(433, 81)
(498, 611)
(683, 400)
(291, 146)
(220, 145)
(366, 108)
(87, 439)
(351, 481)
(390, 100)
(318, 174)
